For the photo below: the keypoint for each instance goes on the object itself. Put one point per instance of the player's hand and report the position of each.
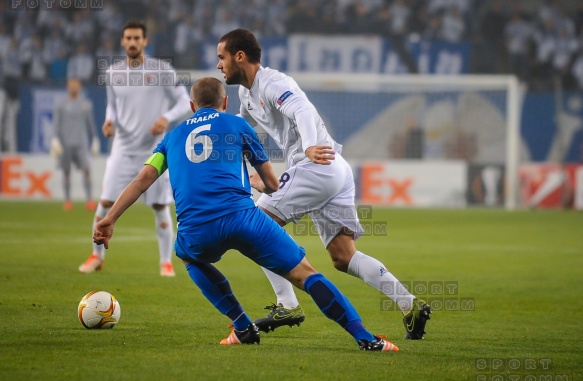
(95, 146)
(256, 182)
(159, 126)
(108, 129)
(103, 232)
(320, 154)
(56, 147)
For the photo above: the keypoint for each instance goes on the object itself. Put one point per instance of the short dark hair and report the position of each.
(208, 92)
(242, 40)
(135, 24)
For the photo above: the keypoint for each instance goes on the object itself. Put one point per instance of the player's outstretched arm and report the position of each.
(104, 228)
(265, 180)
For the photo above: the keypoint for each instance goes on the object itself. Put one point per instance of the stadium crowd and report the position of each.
(536, 39)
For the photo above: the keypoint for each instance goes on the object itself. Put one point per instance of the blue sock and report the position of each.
(216, 288)
(336, 306)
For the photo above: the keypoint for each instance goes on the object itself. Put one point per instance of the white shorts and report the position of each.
(325, 192)
(121, 169)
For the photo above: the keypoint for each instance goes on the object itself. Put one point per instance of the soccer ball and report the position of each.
(99, 309)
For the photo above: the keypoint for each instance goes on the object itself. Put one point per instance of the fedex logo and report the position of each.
(18, 181)
(373, 182)
(413, 183)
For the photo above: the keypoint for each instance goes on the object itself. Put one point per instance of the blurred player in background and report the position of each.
(318, 181)
(74, 129)
(142, 99)
(216, 212)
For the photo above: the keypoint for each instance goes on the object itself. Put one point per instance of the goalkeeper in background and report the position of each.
(74, 129)
(318, 181)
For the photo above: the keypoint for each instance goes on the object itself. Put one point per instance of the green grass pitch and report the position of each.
(522, 270)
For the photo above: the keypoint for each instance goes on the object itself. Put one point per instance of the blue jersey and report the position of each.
(205, 160)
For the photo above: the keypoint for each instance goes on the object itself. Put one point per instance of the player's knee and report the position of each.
(106, 203)
(340, 258)
(340, 264)
(158, 207)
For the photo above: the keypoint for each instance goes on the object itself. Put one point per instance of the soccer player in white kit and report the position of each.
(318, 181)
(143, 98)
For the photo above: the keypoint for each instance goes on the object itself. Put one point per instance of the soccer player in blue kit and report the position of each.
(215, 212)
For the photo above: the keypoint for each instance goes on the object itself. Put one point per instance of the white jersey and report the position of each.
(137, 97)
(276, 103)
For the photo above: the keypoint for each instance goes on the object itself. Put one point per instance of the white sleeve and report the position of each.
(111, 110)
(180, 100)
(296, 107)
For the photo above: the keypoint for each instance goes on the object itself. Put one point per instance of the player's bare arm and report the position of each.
(108, 129)
(104, 228)
(265, 180)
(320, 154)
(159, 126)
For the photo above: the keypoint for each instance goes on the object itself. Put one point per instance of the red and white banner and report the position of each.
(551, 185)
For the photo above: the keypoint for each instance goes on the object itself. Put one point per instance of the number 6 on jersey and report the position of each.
(193, 139)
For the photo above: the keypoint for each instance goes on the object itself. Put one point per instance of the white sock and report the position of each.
(375, 274)
(100, 212)
(284, 290)
(165, 233)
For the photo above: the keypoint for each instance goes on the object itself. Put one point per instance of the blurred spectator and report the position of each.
(357, 16)
(81, 30)
(303, 17)
(110, 19)
(518, 37)
(58, 67)
(4, 41)
(188, 38)
(276, 14)
(50, 20)
(490, 39)
(545, 49)
(452, 25)
(225, 22)
(38, 66)
(399, 14)
(81, 65)
(12, 73)
(24, 25)
(53, 44)
(25, 52)
(565, 49)
(433, 29)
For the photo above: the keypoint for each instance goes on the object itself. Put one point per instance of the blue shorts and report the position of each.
(250, 231)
